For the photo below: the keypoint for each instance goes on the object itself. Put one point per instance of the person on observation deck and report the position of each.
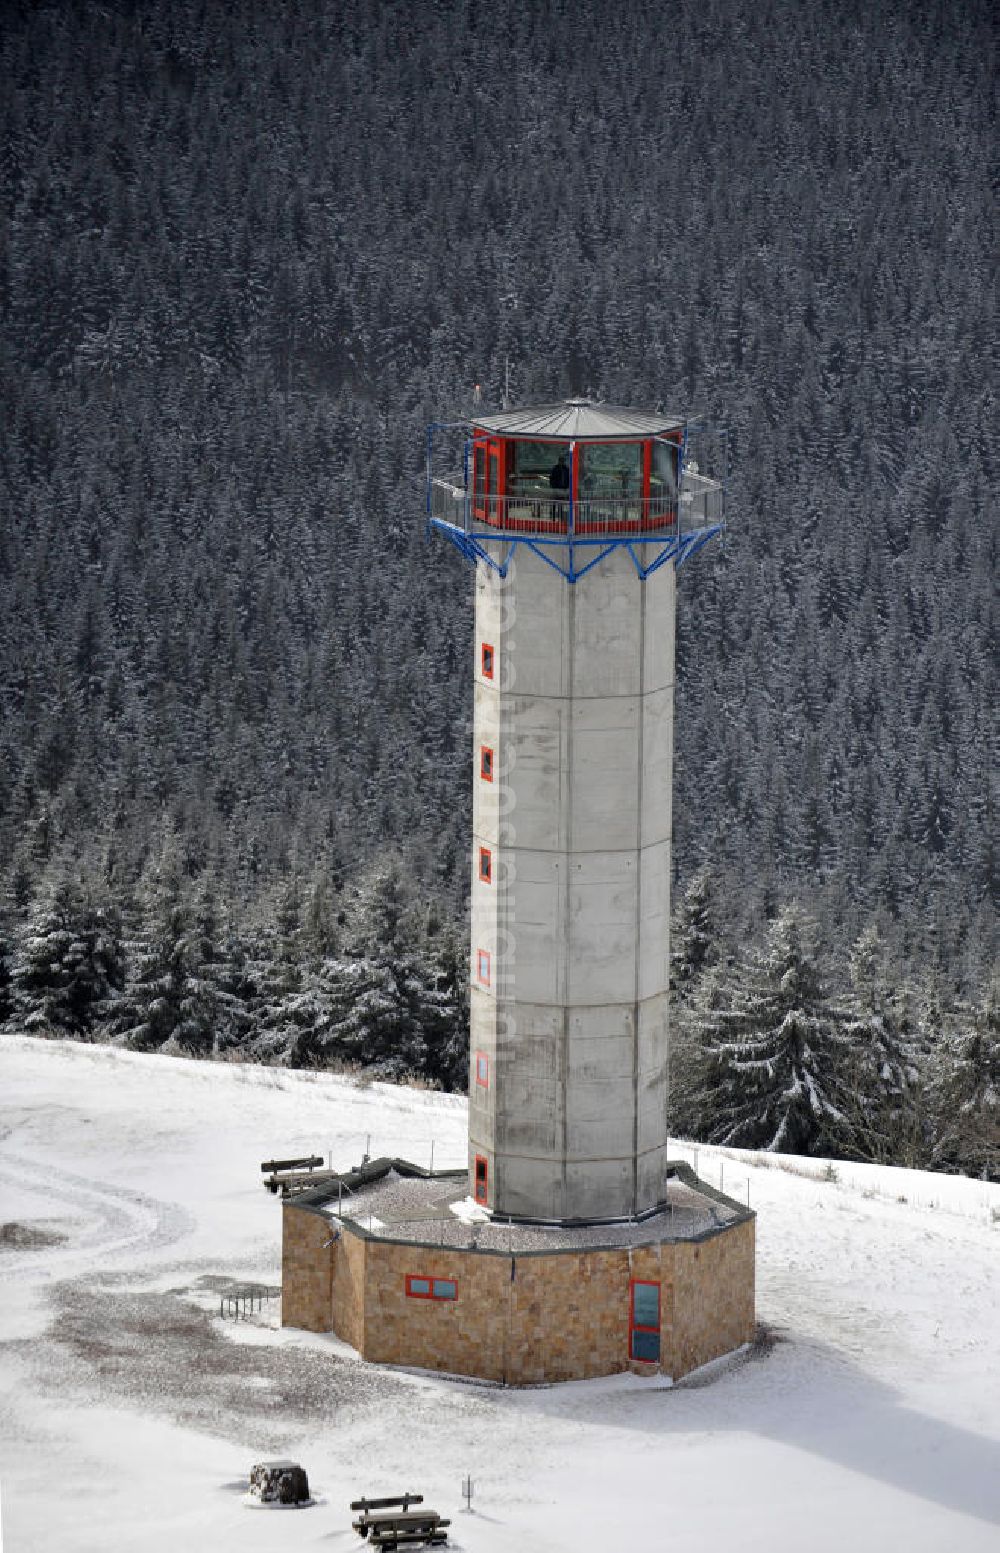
(559, 476)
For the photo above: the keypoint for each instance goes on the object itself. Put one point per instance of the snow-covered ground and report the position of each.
(868, 1417)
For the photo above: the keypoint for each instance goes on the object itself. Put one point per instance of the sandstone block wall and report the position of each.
(522, 1319)
(714, 1297)
(465, 1336)
(349, 1289)
(305, 1271)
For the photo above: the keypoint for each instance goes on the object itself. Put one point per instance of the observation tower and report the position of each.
(577, 517)
(585, 1250)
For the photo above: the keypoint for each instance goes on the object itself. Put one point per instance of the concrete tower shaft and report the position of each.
(571, 888)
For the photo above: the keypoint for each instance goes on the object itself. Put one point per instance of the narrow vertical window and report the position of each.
(487, 661)
(644, 1321)
(486, 763)
(481, 1179)
(482, 1070)
(486, 865)
(483, 967)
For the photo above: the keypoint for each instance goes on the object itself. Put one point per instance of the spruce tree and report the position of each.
(966, 1090)
(70, 963)
(779, 1049)
(279, 979)
(6, 978)
(395, 1004)
(217, 958)
(882, 1092)
(694, 935)
(176, 1001)
(694, 951)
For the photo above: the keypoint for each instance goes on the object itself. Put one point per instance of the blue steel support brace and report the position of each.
(677, 549)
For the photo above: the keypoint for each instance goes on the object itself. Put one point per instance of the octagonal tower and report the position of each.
(577, 517)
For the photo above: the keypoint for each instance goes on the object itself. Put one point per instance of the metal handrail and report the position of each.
(536, 511)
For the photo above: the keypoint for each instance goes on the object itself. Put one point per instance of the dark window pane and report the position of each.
(533, 463)
(612, 470)
(646, 1346)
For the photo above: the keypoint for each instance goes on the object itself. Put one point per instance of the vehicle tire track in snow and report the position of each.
(127, 1221)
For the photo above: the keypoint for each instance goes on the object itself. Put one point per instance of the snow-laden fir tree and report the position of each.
(779, 1049)
(966, 1090)
(694, 935)
(218, 959)
(392, 1004)
(694, 951)
(882, 1089)
(180, 998)
(69, 966)
(280, 972)
(6, 978)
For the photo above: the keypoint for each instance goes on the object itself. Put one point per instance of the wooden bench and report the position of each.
(291, 1176)
(290, 1182)
(308, 1163)
(391, 1523)
(401, 1502)
(385, 1522)
(410, 1539)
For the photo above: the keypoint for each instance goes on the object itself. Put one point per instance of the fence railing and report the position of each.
(546, 514)
(240, 1304)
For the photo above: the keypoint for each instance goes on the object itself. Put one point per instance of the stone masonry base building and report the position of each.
(388, 1259)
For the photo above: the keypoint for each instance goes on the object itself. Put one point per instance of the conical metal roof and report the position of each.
(579, 420)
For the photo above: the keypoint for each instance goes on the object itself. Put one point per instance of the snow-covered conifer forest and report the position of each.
(248, 252)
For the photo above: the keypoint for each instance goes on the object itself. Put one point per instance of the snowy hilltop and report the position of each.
(132, 1210)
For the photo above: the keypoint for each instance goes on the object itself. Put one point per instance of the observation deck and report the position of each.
(572, 482)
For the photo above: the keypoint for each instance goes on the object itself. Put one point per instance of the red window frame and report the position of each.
(489, 475)
(414, 1294)
(487, 660)
(485, 865)
(482, 1070)
(495, 470)
(484, 967)
(486, 762)
(636, 1326)
(480, 1178)
(479, 477)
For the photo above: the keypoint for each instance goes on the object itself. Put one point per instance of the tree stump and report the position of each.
(279, 1483)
